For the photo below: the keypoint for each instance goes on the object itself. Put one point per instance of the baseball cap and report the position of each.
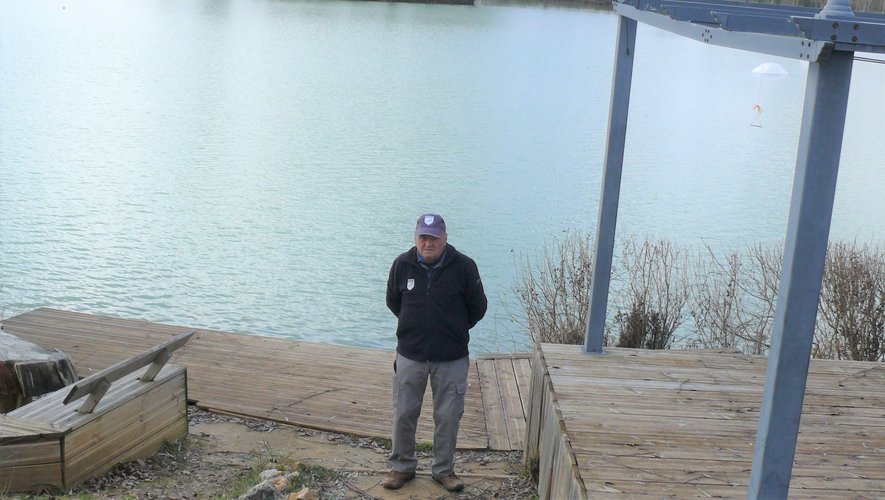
(430, 224)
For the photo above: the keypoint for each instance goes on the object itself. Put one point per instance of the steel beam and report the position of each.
(808, 227)
(793, 47)
(611, 184)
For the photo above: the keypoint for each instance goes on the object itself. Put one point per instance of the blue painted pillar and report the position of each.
(808, 228)
(611, 184)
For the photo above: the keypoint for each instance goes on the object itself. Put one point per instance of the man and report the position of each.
(437, 296)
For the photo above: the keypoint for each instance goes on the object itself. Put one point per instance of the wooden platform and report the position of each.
(320, 386)
(49, 446)
(641, 423)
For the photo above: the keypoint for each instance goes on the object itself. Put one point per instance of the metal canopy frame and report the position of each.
(827, 39)
(793, 32)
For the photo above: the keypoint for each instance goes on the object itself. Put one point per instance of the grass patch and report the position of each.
(531, 469)
(312, 476)
(241, 484)
(387, 443)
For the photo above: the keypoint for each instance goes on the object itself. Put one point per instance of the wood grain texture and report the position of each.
(50, 445)
(683, 423)
(326, 387)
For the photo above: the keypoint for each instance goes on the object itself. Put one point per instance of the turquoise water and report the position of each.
(255, 166)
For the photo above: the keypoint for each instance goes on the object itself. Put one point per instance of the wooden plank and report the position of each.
(661, 489)
(662, 424)
(131, 341)
(115, 372)
(34, 452)
(523, 369)
(331, 406)
(558, 481)
(745, 374)
(534, 417)
(730, 488)
(174, 432)
(51, 410)
(468, 439)
(568, 482)
(504, 355)
(492, 406)
(547, 449)
(745, 400)
(87, 433)
(40, 477)
(620, 358)
(646, 441)
(599, 464)
(15, 428)
(513, 414)
(141, 438)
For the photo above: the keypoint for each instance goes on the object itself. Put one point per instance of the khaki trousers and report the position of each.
(448, 382)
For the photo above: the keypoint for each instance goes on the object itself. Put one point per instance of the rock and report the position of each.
(265, 475)
(271, 488)
(304, 494)
(262, 491)
(281, 484)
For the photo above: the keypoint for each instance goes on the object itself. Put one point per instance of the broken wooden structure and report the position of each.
(121, 413)
(28, 370)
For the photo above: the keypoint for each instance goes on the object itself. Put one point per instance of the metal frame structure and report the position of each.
(827, 39)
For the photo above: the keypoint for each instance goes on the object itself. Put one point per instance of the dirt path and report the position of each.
(223, 455)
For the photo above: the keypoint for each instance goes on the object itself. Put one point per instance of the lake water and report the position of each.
(255, 166)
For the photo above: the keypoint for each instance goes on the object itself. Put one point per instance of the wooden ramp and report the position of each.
(325, 387)
(641, 423)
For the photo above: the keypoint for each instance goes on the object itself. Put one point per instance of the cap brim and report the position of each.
(436, 233)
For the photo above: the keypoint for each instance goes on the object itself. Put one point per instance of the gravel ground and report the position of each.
(222, 456)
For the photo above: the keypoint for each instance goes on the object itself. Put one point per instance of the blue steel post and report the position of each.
(808, 227)
(611, 184)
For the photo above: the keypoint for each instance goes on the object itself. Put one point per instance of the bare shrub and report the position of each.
(735, 298)
(554, 290)
(763, 283)
(654, 293)
(718, 301)
(642, 328)
(851, 312)
(733, 301)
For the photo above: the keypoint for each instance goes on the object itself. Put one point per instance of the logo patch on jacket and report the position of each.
(410, 284)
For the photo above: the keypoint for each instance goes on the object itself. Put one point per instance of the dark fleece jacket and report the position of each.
(435, 308)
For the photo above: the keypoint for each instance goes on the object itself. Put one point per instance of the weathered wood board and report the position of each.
(637, 423)
(327, 387)
(47, 445)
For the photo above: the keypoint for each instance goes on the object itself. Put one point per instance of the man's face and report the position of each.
(429, 247)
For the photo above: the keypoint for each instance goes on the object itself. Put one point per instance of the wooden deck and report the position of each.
(325, 387)
(643, 423)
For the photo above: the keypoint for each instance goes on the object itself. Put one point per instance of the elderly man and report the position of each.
(437, 296)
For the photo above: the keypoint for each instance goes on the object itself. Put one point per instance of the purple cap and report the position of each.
(430, 224)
